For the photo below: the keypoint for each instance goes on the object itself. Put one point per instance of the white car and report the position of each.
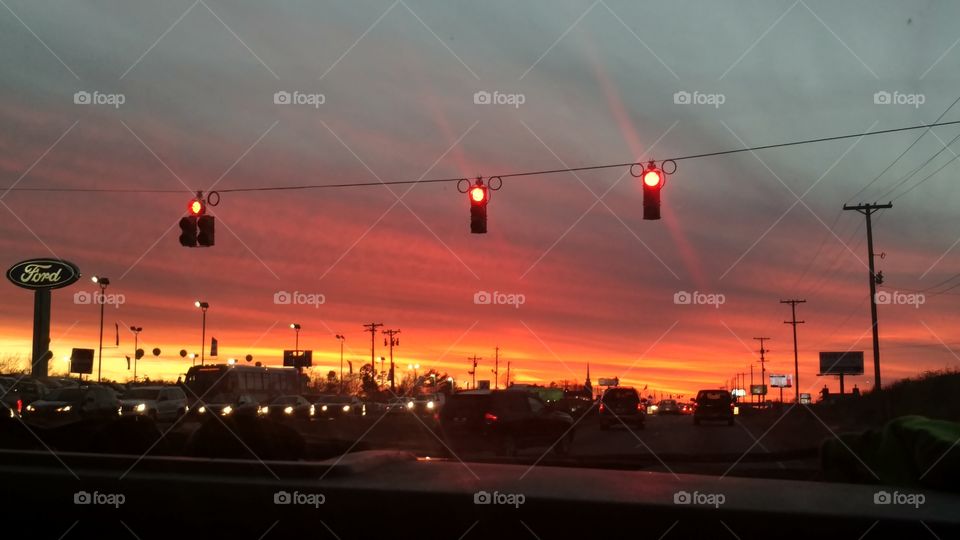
(157, 402)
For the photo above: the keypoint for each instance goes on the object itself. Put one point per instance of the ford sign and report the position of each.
(43, 274)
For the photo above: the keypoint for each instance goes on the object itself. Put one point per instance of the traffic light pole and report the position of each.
(867, 210)
(796, 362)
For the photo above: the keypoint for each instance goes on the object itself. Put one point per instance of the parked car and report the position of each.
(337, 406)
(621, 405)
(504, 421)
(10, 398)
(713, 405)
(157, 402)
(27, 388)
(668, 406)
(285, 407)
(67, 405)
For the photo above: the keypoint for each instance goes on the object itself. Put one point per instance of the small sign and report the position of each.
(805, 399)
(608, 382)
(81, 361)
(43, 274)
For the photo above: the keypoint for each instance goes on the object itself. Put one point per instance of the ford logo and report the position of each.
(43, 274)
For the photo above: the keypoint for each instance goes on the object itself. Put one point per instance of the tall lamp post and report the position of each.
(136, 347)
(204, 306)
(341, 339)
(296, 342)
(102, 282)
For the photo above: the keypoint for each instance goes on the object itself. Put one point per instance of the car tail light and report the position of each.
(489, 417)
(602, 408)
(19, 405)
(639, 406)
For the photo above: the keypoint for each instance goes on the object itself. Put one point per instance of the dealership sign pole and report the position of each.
(41, 276)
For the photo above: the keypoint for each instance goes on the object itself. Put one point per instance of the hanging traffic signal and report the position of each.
(196, 207)
(479, 197)
(188, 231)
(652, 179)
(206, 225)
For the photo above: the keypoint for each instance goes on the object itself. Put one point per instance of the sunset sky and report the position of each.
(398, 81)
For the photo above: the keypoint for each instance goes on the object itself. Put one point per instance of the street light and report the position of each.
(296, 346)
(341, 339)
(103, 282)
(203, 332)
(136, 347)
(414, 367)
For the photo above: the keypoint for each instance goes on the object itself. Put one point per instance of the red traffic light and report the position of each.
(478, 194)
(196, 207)
(652, 178)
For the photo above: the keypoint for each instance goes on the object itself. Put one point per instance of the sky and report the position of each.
(186, 100)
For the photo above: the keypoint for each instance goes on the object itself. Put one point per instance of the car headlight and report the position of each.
(65, 408)
(202, 409)
(141, 407)
(226, 410)
(119, 411)
(288, 410)
(346, 408)
(409, 404)
(429, 404)
(263, 409)
(323, 408)
(313, 410)
(31, 408)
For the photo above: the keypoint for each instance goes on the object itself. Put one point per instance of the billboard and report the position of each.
(608, 382)
(303, 359)
(781, 381)
(483, 385)
(81, 361)
(758, 389)
(841, 363)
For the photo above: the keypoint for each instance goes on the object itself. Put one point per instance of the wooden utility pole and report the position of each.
(372, 328)
(496, 368)
(763, 365)
(393, 341)
(473, 372)
(796, 362)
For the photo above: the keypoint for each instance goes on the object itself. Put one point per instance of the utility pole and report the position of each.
(796, 362)
(393, 341)
(867, 210)
(473, 372)
(496, 368)
(372, 328)
(763, 365)
(752, 397)
(506, 384)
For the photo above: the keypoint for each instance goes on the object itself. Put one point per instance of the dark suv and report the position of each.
(621, 405)
(713, 405)
(504, 421)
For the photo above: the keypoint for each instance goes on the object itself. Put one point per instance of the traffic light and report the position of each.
(206, 225)
(188, 231)
(652, 180)
(196, 207)
(479, 197)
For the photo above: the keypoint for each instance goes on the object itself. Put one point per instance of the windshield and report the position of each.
(697, 240)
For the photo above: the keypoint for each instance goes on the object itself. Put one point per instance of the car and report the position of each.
(28, 389)
(427, 404)
(68, 405)
(291, 406)
(504, 421)
(668, 406)
(621, 405)
(399, 405)
(713, 405)
(223, 405)
(339, 405)
(10, 398)
(157, 402)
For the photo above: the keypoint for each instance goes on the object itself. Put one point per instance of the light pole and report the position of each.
(102, 282)
(204, 306)
(341, 340)
(296, 343)
(136, 347)
(414, 367)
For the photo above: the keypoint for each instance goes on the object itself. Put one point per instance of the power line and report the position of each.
(501, 176)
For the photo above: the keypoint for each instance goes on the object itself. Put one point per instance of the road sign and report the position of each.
(81, 361)
(841, 363)
(608, 382)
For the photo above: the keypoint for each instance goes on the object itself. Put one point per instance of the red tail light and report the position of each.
(639, 406)
(19, 405)
(602, 408)
(489, 417)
